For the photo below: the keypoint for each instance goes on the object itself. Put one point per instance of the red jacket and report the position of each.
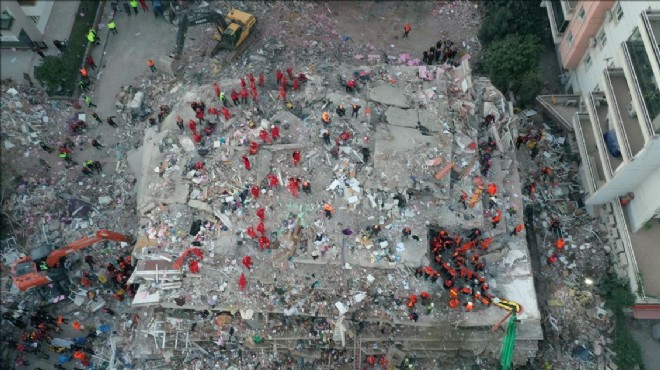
(244, 93)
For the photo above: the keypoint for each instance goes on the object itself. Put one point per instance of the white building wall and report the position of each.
(646, 203)
(640, 176)
(41, 9)
(585, 79)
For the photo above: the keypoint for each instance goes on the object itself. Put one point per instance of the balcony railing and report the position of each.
(636, 284)
(586, 157)
(646, 88)
(646, 19)
(599, 133)
(612, 103)
(558, 12)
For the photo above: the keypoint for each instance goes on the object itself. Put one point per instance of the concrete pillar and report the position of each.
(21, 21)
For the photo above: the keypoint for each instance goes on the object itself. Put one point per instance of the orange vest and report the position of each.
(83, 71)
(150, 63)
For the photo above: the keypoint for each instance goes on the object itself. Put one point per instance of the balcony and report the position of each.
(622, 110)
(650, 33)
(561, 107)
(558, 14)
(646, 255)
(568, 7)
(639, 70)
(589, 153)
(597, 106)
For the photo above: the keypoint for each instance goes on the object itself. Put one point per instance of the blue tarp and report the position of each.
(612, 143)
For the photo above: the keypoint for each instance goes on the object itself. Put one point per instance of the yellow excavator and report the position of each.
(233, 30)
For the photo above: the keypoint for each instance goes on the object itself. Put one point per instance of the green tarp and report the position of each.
(508, 344)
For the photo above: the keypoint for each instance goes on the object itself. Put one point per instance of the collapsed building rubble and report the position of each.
(331, 277)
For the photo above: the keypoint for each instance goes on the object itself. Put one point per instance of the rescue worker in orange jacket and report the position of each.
(517, 229)
(496, 219)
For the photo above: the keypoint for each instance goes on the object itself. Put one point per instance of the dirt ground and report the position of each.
(380, 24)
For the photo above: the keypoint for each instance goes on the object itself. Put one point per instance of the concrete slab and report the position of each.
(401, 117)
(198, 204)
(389, 95)
(346, 99)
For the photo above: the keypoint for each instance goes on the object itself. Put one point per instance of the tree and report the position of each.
(52, 73)
(529, 87)
(505, 17)
(512, 64)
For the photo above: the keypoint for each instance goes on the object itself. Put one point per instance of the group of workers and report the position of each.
(560, 243)
(35, 341)
(460, 267)
(443, 51)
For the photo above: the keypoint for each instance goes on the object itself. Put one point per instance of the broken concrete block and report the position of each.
(462, 140)
(258, 58)
(187, 144)
(194, 203)
(135, 105)
(105, 200)
(491, 108)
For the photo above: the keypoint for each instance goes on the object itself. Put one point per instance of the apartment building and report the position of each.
(23, 22)
(611, 60)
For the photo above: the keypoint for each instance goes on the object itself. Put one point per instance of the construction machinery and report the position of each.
(40, 268)
(233, 30)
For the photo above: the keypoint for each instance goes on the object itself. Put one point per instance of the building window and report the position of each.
(6, 20)
(587, 61)
(618, 11)
(582, 14)
(27, 2)
(602, 38)
(569, 38)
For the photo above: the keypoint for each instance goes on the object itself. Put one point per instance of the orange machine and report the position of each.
(27, 275)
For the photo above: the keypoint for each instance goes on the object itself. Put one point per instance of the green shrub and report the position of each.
(512, 64)
(628, 351)
(529, 87)
(617, 292)
(52, 73)
(618, 297)
(506, 17)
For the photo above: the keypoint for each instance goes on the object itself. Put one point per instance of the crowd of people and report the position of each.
(442, 52)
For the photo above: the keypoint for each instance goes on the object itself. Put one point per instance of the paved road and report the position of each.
(122, 61)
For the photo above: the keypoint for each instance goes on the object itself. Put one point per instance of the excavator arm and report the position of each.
(55, 256)
(195, 20)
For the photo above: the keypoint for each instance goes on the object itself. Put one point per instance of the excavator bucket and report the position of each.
(509, 306)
